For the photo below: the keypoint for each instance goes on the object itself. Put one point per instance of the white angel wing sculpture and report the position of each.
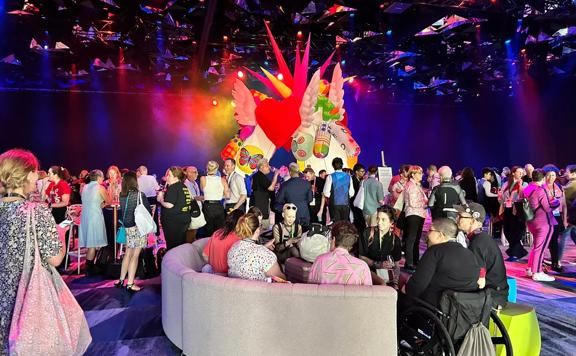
(336, 94)
(245, 104)
(308, 106)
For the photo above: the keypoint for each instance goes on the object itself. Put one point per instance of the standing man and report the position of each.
(263, 189)
(357, 178)
(528, 169)
(237, 186)
(338, 188)
(148, 185)
(298, 192)
(191, 174)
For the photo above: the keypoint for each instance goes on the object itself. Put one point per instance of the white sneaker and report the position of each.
(529, 272)
(542, 277)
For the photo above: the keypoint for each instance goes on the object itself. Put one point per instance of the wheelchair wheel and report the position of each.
(421, 332)
(504, 339)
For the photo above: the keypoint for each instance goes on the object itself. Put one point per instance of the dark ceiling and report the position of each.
(483, 46)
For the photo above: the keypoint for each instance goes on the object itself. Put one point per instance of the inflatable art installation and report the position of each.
(306, 118)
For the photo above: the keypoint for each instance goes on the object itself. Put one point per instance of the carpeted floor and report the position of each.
(125, 324)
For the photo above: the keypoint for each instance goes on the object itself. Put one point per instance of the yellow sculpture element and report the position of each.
(281, 87)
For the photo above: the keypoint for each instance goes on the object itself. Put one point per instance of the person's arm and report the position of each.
(206, 251)
(544, 200)
(325, 195)
(315, 272)
(202, 183)
(275, 271)
(226, 188)
(239, 182)
(379, 193)
(64, 203)
(422, 278)
(105, 196)
(145, 202)
(309, 194)
(432, 199)
(488, 189)
(351, 190)
(278, 247)
(363, 247)
(272, 185)
(167, 201)
(51, 237)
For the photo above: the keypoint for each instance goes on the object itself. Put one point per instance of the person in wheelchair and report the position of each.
(470, 220)
(446, 265)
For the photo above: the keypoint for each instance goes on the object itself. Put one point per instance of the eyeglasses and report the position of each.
(464, 217)
(290, 207)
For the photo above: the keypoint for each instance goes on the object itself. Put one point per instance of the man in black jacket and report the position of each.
(446, 265)
(470, 220)
(445, 195)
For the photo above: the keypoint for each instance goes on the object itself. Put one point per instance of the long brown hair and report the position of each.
(129, 183)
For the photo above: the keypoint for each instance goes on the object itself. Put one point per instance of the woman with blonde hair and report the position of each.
(18, 176)
(415, 204)
(215, 189)
(249, 260)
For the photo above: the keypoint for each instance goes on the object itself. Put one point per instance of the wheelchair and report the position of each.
(424, 329)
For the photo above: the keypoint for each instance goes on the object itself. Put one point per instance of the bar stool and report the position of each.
(73, 214)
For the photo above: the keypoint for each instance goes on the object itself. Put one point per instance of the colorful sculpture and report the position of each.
(308, 119)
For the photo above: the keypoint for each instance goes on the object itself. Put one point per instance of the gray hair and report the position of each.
(95, 174)
(261, 162)
(294, 169)
(445, 173)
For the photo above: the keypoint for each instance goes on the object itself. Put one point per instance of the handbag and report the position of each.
(47, 319)
(143, 219)
(359, 200)
(312, 246)
(196, 223)
(195, 210)
(121, 233)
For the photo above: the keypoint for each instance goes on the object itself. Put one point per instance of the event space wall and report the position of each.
(93, 130)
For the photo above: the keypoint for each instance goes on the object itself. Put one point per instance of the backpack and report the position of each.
(477, 342)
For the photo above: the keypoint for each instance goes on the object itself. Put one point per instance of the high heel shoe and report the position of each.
(119, 283)
(130, 288)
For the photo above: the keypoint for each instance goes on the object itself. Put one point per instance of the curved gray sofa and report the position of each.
(206, 314)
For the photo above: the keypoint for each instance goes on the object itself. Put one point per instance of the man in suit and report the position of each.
(297, 191)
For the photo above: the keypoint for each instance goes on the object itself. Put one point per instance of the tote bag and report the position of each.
(143, 219)
(359, 200)
(47, 319)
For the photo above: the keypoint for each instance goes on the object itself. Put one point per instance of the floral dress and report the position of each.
(13, 217)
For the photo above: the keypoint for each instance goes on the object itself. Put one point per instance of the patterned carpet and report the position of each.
(124, 324)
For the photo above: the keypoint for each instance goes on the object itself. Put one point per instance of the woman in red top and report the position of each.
(216, 250)
(58, 192)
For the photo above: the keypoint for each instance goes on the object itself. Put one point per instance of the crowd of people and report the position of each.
(368, 239)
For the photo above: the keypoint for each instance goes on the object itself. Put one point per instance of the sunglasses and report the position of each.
(290, 207)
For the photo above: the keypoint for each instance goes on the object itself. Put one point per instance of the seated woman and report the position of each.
(287, 234)
(379, 247)
(216, 250)
(249, 260)
(338, 266)
(445, 265)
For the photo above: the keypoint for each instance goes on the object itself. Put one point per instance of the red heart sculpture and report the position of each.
(279, 119)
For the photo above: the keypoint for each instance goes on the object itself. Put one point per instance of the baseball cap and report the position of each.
(476, 210)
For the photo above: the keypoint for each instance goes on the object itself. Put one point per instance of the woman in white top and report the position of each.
(215, 189)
